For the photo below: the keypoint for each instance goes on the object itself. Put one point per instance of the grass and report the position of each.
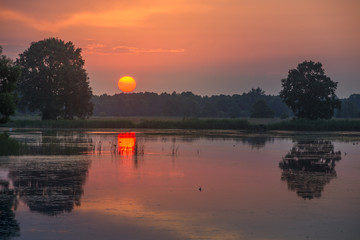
(120, 123)
(193, 123)
(316, 125)
(9, 146)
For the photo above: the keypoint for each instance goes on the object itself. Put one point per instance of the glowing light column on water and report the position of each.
(126, 143)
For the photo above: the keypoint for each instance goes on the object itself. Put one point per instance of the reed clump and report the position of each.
(9, 146)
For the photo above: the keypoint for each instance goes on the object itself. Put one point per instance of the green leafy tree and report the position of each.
(54, 80)
(261, 110)
(309, 92)
(9, 74)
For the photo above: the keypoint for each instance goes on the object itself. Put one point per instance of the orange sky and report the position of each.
(204, 46)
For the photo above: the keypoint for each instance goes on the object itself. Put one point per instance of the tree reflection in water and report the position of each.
(309, 166)
(256, 142)
(9, 227)
(50, 186)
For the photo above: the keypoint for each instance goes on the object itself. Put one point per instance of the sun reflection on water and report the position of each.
(126, 143)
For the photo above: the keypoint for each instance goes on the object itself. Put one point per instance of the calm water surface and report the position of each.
(181, 185)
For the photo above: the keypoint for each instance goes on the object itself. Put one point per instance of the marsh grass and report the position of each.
(195, 123)
(55, 149)
(316, 125)
(191, 123)
(89, 123)
(139, 149)
(9, 146)
(259, 125)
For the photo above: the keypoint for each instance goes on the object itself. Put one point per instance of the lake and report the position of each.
(181, 185)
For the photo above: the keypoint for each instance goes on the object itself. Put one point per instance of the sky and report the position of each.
(204, 46)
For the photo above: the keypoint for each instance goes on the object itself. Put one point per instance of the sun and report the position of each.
(127, 84)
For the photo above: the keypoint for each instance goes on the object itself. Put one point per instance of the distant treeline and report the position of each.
(187, 104)
(350, 107)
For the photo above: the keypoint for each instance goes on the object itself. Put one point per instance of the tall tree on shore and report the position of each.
(54, 80)
(309, 92)
(9, 74)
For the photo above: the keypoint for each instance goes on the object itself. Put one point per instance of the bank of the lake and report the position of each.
(194, 123)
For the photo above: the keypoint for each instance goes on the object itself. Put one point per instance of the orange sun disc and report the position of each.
(127, 84)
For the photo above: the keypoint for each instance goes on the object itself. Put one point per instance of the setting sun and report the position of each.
(127, 84)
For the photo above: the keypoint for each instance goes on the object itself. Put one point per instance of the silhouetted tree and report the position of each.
(309, 92)
(54, 80)
(261, 110)
(9, 74)
(256, 92)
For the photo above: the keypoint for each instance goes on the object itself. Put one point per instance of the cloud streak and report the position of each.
(116, 17)
(127, 49)
(97, 48)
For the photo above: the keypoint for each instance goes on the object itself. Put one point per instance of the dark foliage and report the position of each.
(185, 104)
(350, 107)
(9, 146)
(309, 92)
(261, 110)
(54, 80)
(9, 74)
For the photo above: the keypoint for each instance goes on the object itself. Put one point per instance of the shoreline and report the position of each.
(193, 124)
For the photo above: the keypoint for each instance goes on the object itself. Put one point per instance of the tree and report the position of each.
(9, 74)
(348, 110)
(309, 92)
(261, 110)
(256, 92)
(54, 80)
